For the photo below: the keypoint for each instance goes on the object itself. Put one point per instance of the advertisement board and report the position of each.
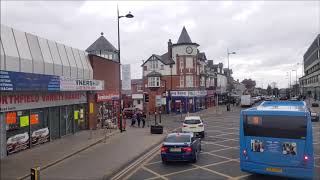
(72, 84)
(17, 143)
(101, 96)
(19, 81)
(21, 101)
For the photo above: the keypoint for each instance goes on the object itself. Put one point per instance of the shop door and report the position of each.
(79, 118)
(54, 122)
(63, 120)
(69, 119)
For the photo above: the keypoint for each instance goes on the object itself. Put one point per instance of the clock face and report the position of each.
(189, 50)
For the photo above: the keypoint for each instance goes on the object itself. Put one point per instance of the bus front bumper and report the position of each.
(302, 173)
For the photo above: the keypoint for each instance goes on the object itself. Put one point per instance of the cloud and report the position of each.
(269, 37)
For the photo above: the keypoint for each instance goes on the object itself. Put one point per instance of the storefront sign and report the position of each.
(91, 108)
(188, 93)
(72, 84)
(19, 81)
(11, 118)
(107, 96)
(40, 136)
(179, 93)
(21, 101)
(34, 119)
(24, 121)
(17, 143)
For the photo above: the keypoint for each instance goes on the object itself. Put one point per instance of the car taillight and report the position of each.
(305, 157)
(184, 125)
(200, 125)
(187, 149)
(164, 149)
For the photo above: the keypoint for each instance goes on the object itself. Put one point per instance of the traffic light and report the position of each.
(146, 97)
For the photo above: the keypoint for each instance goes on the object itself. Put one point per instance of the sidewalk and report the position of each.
(18, 165)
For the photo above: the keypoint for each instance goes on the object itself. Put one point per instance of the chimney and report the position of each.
(170, 48)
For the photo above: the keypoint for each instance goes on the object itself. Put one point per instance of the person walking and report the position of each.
(143, 121)
(139, 118)
(133, 119)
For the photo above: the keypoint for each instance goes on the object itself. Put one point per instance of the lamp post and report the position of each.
(129, 15)
(296, 84)
(301, 84)
(229, 58)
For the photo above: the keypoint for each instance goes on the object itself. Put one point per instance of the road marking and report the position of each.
(217, 163)
(223, 157)
(178, 172)
(157, 174)
(246, 175)
(153, 162)
(221, 174)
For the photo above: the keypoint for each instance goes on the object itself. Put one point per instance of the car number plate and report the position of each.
(175, 149)
(277, 170)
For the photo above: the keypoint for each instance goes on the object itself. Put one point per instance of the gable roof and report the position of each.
(202, 56)
(164, 58)
(101, 44)
(184, 37)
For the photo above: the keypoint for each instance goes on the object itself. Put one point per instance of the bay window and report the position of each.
(153, 81)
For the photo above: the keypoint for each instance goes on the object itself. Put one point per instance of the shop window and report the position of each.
(17, 129)
(189, 81)
(39, 127)
(189, 62)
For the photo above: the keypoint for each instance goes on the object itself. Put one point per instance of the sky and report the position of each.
(269, 37)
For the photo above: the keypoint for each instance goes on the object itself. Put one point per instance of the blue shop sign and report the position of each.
(19, 81)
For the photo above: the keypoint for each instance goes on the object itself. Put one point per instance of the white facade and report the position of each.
(137, 100)
(180, 50)
(222, 82)
(24, 52)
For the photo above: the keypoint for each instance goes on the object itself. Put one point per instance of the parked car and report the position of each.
(193, 124)
(180, 147)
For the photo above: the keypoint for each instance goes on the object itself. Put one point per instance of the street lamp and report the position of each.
(129, 15)
(228, 59)
(296, 84)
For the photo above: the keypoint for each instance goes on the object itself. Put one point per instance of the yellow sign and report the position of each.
(277, 170)
(76, 115)
(24, 121)
(91, 108)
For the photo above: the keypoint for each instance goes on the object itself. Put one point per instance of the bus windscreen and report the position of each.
(291, 127)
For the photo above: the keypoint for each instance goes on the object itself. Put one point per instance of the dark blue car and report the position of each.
(181, 147)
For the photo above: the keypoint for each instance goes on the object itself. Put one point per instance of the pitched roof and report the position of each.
(101, 44)
(164, 58)
(184, 37)
(154, 74)
(202, 56)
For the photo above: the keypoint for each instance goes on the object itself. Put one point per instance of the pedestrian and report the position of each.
(133, 119)
(143, 121)
(138, 118)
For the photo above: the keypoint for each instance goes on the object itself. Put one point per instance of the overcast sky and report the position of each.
(269, 38)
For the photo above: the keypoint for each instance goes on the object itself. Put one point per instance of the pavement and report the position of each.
(73, 155)
(219, 158)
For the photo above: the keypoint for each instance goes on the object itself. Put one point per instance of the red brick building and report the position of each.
(175, 81)
(105, 64)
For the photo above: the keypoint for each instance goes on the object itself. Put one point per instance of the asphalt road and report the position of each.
(219, 158)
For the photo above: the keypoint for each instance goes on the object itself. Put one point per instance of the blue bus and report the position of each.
(276, 139)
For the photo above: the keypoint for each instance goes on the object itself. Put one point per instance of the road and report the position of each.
(219, 158)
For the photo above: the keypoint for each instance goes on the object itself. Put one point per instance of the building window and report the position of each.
(181, 81)
(189, 62)
(139, 87)
(189, 81)
(145, 68)
(162, 67)
(181, 64)
(153, 65)
(154, 82)
(138, 101)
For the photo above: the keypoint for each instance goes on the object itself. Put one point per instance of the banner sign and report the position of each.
(19, 81)
(188, 93)
(21, 101)
(126, 77)
(72, 84)
(107, 96)
(17, 143)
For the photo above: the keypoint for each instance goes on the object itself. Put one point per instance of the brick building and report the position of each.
(105, 64)
(175, 80)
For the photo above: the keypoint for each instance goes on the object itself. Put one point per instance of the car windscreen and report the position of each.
(178, 139)
(291, 127)
(192, 121)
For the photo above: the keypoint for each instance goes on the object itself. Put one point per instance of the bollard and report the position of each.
(35, 173)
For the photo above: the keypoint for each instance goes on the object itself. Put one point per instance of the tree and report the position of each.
(249, 83)
(269, 90)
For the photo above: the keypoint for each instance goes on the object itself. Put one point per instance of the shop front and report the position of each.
(186, 101)
(210, 100)
(35, 118)
(107, 105)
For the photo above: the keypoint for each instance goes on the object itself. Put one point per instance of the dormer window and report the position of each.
(153, 81)
(153, 65)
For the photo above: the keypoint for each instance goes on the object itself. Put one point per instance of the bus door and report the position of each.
(275, 140)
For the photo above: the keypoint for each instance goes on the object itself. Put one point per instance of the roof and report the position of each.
(202, 56)
(136, 81)
(153, 74)
(192, 117)
(184, 37)
(101, 44)
(281, 106)
(164, 58)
